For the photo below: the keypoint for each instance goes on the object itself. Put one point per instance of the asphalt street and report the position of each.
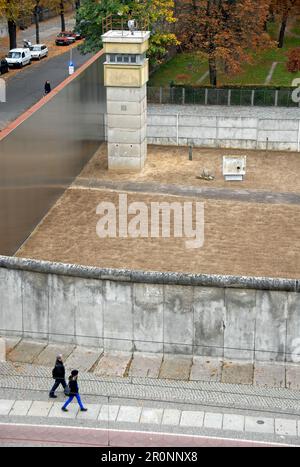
(27, 87)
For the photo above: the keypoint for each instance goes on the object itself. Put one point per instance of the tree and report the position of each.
(158, 13)
(284, 9)
(14, 10)
(60, 7)
(293, 63)
(225, 30)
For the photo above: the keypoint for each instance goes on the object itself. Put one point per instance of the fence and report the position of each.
(263, 97)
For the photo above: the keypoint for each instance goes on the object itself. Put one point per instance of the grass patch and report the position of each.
(188, 68)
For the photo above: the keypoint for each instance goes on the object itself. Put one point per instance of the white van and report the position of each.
(18, 58)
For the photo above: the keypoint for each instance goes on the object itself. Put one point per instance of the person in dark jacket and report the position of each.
(47, 87)
(58, 374)
(74, 392)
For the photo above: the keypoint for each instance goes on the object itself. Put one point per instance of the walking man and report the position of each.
(58, 373)
(47, 87)
(74, 392)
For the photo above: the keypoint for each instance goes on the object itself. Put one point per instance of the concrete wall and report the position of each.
(46, 148)
(223, 316)
(223, 130)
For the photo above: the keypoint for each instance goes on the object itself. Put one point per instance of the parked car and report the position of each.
(64, 38)
(4, 68)
(77, 35)
(38, 51)
(18, 58)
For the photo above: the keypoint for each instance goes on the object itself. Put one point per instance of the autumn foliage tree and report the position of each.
(158, 13)
(293, 63)
(14, 10)
(284, 9)
(225, 30)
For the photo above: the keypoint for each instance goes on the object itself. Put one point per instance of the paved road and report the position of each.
(248, 196)
(27, 87)
(37, 435)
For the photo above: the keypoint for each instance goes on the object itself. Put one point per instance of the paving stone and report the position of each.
(20, 408)
(26, 351)
(285, 427)
(11, 343)
(213, 420)
(191, 418)
(48, 356)
(234, 372)
(293, 376)
(129, 414)
(176, 367)
(2, 350)
(233, 422)
(5, 406)
(206, 369)
(113, 364)
(91, 414)
(40, 409)
(171, 417)
(56, 411)
(83, 358)
(269, 374)
(145, 365)
(109, 413)
(150, 415)
(259, 425)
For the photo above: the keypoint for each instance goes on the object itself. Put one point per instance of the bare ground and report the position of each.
(241, 238)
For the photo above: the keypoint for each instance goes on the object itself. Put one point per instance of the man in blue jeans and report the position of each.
(74, 392)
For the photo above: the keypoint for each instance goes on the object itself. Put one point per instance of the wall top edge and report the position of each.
(150, 277)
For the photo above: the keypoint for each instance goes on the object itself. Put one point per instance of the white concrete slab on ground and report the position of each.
(40, 409)
(268, 374)
(129, 414)
(176, 367)
(83, 358)
(192, 418)
(56, 411)
(285, 427)
(213, 420)
(233, 422)
(20, 408)
(293, 376)
(113, 364)
(171, 417)
(145, 365)
(5, 406)
(237, 372)
(153, 416)
(206, 369)
(48, 356)
(108, 413)
(91, 414)
(259, 424)
(11, 343)
(26, 351)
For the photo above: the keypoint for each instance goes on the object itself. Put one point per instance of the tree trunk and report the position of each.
(12, 31)
(77, 4)
(37, 25)
(212, 71)
(282, 31)
(62, 17)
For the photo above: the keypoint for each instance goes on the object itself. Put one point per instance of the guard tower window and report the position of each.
(126, 58)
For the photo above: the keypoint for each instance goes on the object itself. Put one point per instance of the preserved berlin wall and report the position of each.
(40, 155)
(45, 149)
